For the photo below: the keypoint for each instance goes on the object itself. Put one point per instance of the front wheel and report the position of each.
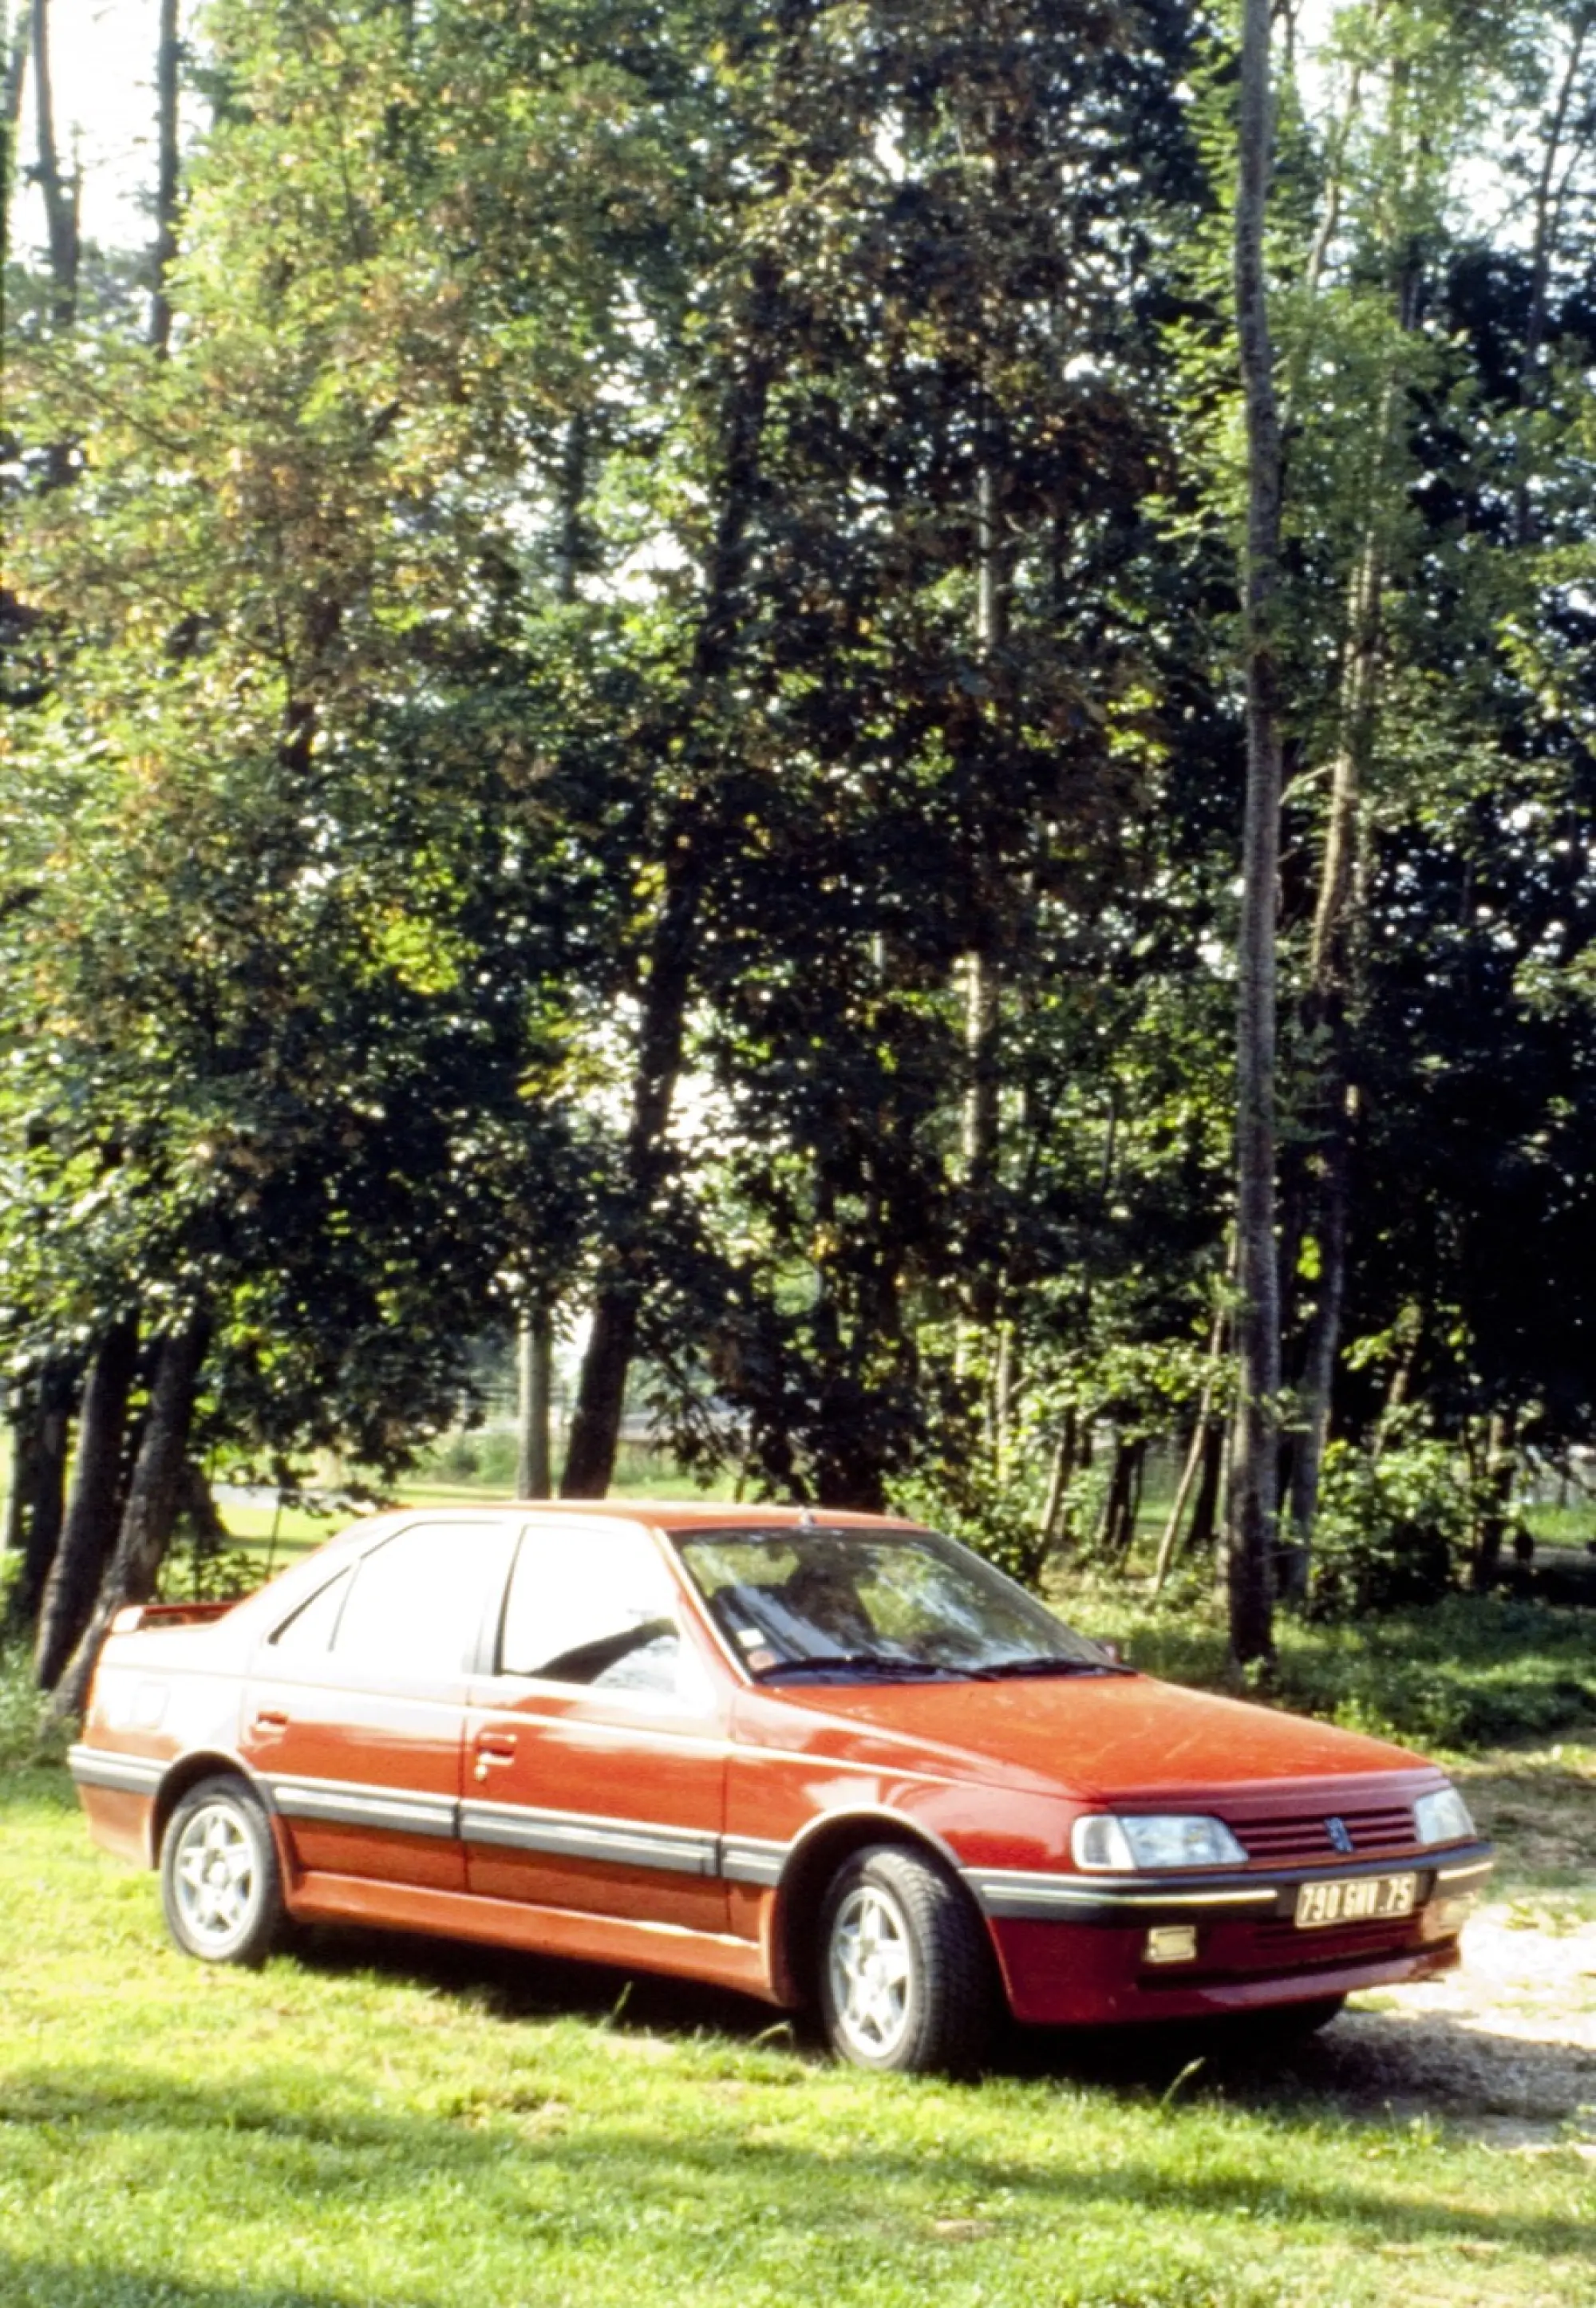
(905, 1970)
(221, 1885)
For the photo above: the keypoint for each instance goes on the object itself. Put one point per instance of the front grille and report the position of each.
(1274, 1943)
(1306, 1842)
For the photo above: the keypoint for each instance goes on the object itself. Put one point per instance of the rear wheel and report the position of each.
(221, 1885)
(905, 1970)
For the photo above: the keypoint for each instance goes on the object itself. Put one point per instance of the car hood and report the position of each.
(1099, 1737)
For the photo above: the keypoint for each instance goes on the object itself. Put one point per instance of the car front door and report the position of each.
(596, 1752)
(355, 1715)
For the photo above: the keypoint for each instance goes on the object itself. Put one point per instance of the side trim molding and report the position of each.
(344, 1805)
(1017, 1895)
(132, 1775)
(752, 1859)
(573, 1835)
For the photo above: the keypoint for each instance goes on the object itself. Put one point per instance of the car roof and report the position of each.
(690, 1514)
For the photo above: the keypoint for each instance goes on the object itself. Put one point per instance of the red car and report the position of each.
(822, 1758)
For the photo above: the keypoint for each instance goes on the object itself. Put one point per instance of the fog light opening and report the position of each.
(1171, 1944)
(1444, 1917)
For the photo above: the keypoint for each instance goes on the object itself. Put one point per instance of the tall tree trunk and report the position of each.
(197, 1508)
(982, 991)
(1550, 203)
(11, 123)
(40, 1427)
(1499, 1464)
(153, 1499)
(1328, 1013)
(534, 1364)
(1197, 1453)
(1060, 1475)
(61, 196)
(167, 55)
(628, 1266)
(1335, 962)
(1254, 1478)
(89, 1530)
(1124, 1501)
(534, 1336)
(26, 1418)
(983, 978)
(1322, 1345)
(1205, 1513)
(690, 855)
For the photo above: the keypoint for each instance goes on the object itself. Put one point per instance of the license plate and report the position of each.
(1359, 1899)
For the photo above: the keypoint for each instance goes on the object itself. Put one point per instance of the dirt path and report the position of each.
(1503, 2049)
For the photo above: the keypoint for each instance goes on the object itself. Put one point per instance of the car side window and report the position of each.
(596, 1607)
(308, 1632)
(414, 1612)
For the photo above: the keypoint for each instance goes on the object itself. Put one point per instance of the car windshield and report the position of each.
(908, 1604)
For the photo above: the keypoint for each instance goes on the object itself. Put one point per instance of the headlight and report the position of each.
(1443, 1818)
(1101, 1841)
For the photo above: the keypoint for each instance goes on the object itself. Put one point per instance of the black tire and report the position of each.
(906, 1977)
(221, 1885)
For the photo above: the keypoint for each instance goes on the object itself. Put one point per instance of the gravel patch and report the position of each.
(1503, 2049)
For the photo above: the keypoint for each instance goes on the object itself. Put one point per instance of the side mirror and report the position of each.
(1113, 1652)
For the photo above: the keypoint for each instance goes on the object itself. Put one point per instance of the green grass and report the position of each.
(264, 1530)
(485, 1464)
(1468, 1672)
(368, 2122)
(1574, 1525)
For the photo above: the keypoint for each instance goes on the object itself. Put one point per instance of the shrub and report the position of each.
(1391, 1530)
(997, 1518)
(198, 1571)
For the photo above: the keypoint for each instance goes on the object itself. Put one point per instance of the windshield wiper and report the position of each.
(860, 1663)
(1047, 1663)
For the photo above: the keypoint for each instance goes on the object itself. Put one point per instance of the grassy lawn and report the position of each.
(264, 1531)
(1471, 1670)
(369, 2121)
(372, 2122)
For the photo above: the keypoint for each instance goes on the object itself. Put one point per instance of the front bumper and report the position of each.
(1076, 1950)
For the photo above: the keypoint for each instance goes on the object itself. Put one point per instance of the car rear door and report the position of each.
(354, 1716)
(596, 1749)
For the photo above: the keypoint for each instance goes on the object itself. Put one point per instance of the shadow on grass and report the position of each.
(592, 2179)
(27, 2283)
(1370, 2067)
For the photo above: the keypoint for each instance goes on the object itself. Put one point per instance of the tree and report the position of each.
(1252, 1536)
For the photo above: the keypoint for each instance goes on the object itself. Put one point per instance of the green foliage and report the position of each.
(998, 1516)
(664, 540)
(1473, 1672)
(195, 1571)
(21, 1707)
(488, 1458)
(1466, 1673)
(1394, 1525)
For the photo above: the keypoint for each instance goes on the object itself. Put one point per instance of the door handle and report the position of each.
(492, 1747)
(269, 1719)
